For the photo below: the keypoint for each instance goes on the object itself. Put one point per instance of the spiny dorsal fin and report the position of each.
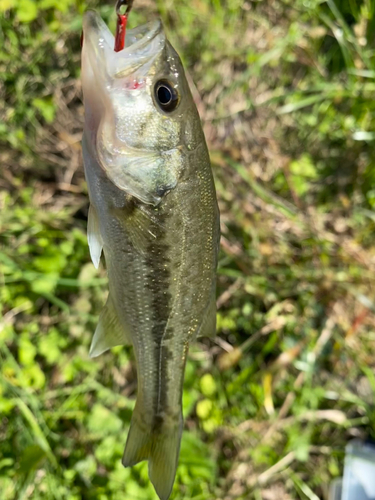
(208, 326)
(94, 237)
(109, 332)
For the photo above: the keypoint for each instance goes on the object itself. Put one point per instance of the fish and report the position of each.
(154, 214)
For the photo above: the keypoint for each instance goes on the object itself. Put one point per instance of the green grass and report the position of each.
(286, 94)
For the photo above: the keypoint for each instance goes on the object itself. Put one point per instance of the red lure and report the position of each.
(122, 19)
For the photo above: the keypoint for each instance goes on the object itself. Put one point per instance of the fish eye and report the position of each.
(166, 95)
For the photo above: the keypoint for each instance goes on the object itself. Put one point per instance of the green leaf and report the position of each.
(31, 458)
(27, 11)
(26, 350)
(45, 284)
(7, 4)
(103, 421)
(204, 408)
(47, 108)
(208, 385)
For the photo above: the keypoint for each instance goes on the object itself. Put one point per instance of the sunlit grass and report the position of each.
(285, 92)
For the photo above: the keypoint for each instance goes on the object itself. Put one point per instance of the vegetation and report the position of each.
(286, 94)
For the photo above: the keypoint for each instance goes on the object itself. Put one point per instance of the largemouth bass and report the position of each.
(153, 212)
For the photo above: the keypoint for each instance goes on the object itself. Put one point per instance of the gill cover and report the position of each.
(117, 90)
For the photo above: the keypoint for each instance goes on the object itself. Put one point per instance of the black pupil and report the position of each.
(164, 95)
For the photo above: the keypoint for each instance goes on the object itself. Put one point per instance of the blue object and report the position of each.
(358, 482)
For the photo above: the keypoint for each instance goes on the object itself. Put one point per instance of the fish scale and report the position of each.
(153, 212)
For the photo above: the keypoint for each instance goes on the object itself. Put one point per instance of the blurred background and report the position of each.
(285, 90)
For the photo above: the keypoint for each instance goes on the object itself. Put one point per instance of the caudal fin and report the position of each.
(160, 447)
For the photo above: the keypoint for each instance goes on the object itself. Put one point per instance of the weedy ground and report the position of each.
(286, 94)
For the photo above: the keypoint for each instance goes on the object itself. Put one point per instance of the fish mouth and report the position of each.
(142, 44)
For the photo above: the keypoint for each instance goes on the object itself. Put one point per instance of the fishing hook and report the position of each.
(122, 3)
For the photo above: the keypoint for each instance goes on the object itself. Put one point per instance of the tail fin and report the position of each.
(160, 447)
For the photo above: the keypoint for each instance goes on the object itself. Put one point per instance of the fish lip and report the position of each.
(97, 32)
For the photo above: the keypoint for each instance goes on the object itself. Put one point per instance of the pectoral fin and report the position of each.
(109, 332)
(208, 327)
(93, 236)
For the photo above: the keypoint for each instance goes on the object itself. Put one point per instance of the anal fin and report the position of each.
(94, 237)
(109, 332)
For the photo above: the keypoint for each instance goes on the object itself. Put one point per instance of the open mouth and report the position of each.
(141, 44)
